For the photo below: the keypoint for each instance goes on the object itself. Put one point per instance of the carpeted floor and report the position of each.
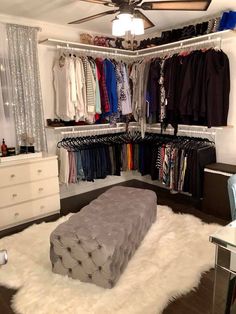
(168, 264)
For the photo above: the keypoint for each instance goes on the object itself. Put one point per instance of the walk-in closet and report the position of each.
(117, 157)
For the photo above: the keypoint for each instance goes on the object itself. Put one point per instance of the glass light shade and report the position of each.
(117, 28)
(126, 21)
(137, 26)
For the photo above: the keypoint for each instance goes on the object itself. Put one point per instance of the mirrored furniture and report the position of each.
(224, 298)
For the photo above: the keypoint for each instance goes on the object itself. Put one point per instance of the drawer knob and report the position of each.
(40, 189)
(12, 176)
(16, 214)
(42, 207)
(40, 170)
(14, 195)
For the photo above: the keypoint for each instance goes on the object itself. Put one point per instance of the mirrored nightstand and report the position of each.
(224, 298)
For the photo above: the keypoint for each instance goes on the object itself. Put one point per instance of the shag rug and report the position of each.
(168, 264)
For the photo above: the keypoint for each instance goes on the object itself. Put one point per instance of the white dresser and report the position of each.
(29, 189)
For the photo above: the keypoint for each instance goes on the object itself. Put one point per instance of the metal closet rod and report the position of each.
(201, 128)
(152, 130)
(156, 51)
(85, 127)
(97, 52)
(182, 46)
(96, 131)
(110, 130)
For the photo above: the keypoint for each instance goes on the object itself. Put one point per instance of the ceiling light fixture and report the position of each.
(126, 22)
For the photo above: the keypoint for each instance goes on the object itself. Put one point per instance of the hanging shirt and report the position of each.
(65, 108)
(163, 102)
(98, 96)
(90, 89)
(72, 81)
(105, 105)
(154, 91)
(96, 76)
(81, 104)
(126, 105)
(119, 82)
(217, 88)
(111, 85)
(142, 106)
(134, 76)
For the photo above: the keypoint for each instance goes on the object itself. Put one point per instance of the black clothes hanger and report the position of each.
(83, 142)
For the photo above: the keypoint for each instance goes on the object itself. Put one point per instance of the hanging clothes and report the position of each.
(105, 104)
(217, 88)
(64, 89)
(63, 165)
(177, 162)
(193, 88)
(111, 85)
(126, 107)
(154, 91)
(81, 106)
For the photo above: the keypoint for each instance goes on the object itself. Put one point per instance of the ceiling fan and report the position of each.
(130, 9)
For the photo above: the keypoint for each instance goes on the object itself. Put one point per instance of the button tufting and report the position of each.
(60, 257)
(59, 238)
(111, 282)
(99, 246)
(70, 270)
(90, 254)
(79, 242)
(69, 249)
(100, 268)
(79, 262)
(90, 276)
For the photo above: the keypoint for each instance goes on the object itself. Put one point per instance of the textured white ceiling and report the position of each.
(64, 11)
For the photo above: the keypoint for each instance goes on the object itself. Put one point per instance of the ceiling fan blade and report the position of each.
(185, 5)
(147, 22)
(92, 17)
(98, 1)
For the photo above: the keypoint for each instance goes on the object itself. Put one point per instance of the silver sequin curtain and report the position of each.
(29, 120)
(7, 123)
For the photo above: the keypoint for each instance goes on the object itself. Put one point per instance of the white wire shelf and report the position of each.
(142, 52)
(192, 130)
(84, 127)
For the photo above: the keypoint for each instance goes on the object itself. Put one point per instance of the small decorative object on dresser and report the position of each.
(3, 148)
(28, 142)
(30, 190)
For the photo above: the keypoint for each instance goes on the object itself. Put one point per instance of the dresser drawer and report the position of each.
(21, 193)
(23, 173)
(28, 211)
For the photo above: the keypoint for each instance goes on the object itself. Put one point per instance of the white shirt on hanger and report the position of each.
(62, 72)
(81, 104)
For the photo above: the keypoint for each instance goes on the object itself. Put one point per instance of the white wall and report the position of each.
(225, 139)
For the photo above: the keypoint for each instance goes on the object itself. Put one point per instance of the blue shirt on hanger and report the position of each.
(111, 85)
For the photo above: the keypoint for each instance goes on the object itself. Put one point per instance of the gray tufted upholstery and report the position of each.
(96, 244)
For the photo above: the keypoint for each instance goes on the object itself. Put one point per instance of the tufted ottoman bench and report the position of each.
(95, 244)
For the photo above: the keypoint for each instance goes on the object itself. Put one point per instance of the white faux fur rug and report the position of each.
(169, 263)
